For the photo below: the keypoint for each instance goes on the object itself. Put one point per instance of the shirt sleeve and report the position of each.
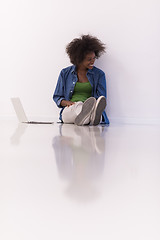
(58, 95)
(101, 87)
(102, 91)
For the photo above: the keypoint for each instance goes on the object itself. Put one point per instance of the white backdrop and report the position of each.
(34, 34)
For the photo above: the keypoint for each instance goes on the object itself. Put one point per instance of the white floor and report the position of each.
(65, 182)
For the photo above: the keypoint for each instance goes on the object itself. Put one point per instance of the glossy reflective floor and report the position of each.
(65, 182)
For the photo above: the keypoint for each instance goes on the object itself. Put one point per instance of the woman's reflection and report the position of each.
(80, 156)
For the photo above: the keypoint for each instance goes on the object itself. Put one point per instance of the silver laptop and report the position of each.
(21, 113)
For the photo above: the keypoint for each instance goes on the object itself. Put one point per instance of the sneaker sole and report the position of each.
(99, 110)
(87, 108)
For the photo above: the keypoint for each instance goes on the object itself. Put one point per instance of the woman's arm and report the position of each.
(101, 87)
(58, 95)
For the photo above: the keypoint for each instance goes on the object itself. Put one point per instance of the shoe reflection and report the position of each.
(80, 158)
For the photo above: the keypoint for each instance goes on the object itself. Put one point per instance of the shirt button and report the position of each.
(73, 82)
(71, 91)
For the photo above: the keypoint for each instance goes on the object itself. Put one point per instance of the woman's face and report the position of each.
(88, 61)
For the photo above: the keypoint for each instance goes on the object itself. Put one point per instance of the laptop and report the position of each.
(21, 113)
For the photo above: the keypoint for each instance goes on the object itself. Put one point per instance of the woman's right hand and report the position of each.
(65, 103)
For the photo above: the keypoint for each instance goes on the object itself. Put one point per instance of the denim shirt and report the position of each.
(66, 83)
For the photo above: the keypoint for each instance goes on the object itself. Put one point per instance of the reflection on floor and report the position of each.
(80, 156)
(63, 181)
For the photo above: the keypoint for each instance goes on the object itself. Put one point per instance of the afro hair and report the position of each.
(78, 48)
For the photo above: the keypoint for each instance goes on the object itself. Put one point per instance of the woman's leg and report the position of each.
(84, 116)
(79, 113)
(70, 113)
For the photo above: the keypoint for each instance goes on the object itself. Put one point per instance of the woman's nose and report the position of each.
(92, 61)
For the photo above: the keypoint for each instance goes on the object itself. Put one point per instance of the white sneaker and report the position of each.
(87, 108)
(98, 110)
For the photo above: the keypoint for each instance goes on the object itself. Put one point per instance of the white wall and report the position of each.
(34, 34)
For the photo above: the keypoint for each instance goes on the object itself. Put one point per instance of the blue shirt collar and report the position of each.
(73, 69)
(89, 70)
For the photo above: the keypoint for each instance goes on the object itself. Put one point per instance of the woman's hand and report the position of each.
(65, 103)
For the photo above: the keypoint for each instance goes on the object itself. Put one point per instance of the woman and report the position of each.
(81, 88)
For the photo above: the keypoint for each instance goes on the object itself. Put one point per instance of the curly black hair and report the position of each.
(78, 48)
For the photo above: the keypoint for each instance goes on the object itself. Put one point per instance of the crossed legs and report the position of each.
(89, 112)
